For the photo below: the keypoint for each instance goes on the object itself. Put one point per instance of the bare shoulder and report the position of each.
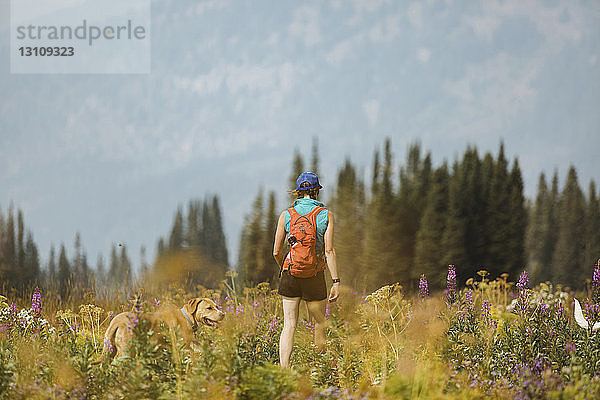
(330, 215)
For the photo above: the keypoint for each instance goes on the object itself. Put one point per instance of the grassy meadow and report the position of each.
(491, 339)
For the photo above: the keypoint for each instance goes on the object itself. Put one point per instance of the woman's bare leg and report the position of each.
(291, 306)
(317, 311)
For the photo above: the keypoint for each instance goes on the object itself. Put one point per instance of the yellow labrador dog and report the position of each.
(186, 319)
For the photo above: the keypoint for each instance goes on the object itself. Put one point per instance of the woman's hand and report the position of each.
(334, 292)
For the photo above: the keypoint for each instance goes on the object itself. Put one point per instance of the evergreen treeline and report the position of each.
(195, 250)
(20, 266)
(19, 258)
(411, 218)
(255, 260)
(75, 277)
(416, 218)
(563, 237)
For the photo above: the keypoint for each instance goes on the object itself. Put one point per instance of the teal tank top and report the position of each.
(303, 207)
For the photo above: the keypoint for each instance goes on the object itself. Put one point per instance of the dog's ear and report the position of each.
(193, 305)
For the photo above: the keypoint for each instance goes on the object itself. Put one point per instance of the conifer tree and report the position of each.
(348, 204)
(176, 239)
(161, 248)
(10, 252)
(206, 227)
(100, 271)
(592, 231)
(216, 235)
(194, 224)
(515, 246)
(407, 211)
(391, 268)
(196, 244)
(76, 267)
(64, 273)
(428, 249)
(314, 161)
(378, 256)
(453, 239)
(113, 269)
(51, 276)
(271, 217)
(297, 169)
(498, 217)
(251, 262)
(124, 275)
(19, 268)
(144, 267)
(85, 271)
(567, 264)
(375, 175)
(484, 210)
(474, 209)
(552, 235)
(31, 262)
(537, 231)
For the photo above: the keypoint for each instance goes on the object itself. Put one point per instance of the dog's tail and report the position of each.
(108, 347)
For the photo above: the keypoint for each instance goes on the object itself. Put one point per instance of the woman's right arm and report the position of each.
(279, 238)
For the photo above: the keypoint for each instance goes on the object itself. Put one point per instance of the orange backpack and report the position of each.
(302, 261)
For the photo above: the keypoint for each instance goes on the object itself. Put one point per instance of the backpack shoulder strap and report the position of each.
(312, 215)
(293, 213)
(315, 211)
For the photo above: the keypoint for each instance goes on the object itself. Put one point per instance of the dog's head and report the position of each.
(204, 310)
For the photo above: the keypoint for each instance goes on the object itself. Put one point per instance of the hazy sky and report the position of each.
(237, 85)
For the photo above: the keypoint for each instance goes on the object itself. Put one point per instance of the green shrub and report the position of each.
(267, 381)
(7, 371)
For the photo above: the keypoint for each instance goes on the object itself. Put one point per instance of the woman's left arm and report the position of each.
(331, 258)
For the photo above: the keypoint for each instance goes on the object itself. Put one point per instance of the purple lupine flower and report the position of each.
(273, 326)
(423, 287)
(309, 325)
(570, 347)
(467, 308)
(486, 313)
(469, 301)
(451, 284)
(596, 283)
(156, 302)
(36, 302)
(75, 327)
(12, 312)
(230, 308)
(523, 281)
(592, 312)
(523, 285)
(544, 310)
(134, 319)
(108, 345)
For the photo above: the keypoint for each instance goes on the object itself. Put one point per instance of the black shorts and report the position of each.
(309, 289)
